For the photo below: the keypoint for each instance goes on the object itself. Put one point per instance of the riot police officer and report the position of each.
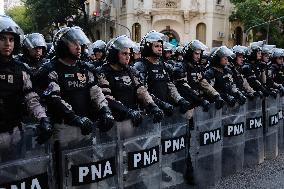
(136, 56)
(277, 69)
(34, 49)
(70, 88)
(98, 49)
(252, 72)
(189, 74)
(121, 85)
(155, 77)
(220, 76)
(236, 68)
(16, 89)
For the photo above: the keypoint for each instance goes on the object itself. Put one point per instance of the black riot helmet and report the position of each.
(147, 42)
(219, 53)
(7, 25)
(34, 40)
(192, 46)
(115, 45)
(66, 36)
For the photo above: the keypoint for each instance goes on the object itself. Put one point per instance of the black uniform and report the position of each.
(157, 80)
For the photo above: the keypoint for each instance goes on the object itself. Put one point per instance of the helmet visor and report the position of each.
(75, 36)
(34, 40)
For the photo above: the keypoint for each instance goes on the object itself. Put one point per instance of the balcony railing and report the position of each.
(166, 3)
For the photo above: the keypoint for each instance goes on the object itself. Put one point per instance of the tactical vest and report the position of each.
(74, 87)
(157, 81)
(238, 78)
(122, 87)
(11, 95)
(223, 81)
(194, 74)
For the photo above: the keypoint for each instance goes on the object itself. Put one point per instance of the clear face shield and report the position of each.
(122, 42)
(75, 36)
(9, 26)
(34, 40)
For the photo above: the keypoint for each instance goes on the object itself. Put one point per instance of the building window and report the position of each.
(136, 32)
(123, 3)
(201, 32)
(111, 32)
(239, 36)
(98, 34)
(219, 2)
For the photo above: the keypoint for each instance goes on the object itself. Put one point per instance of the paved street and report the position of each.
(269, 174)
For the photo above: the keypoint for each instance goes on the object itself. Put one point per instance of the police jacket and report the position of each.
(186, 73)
(76, 86)
(16, 89)
(157, 80)
(277, 73)
(254, 76)
(239, 80)
(123, 90)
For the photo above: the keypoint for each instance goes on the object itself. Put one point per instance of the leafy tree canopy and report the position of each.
(254, 12)
(22, 18)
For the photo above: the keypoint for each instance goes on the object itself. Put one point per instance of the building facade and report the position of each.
(181, 20)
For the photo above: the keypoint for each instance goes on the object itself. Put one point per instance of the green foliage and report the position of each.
(48, 14)
(22, 18)
(254, 12)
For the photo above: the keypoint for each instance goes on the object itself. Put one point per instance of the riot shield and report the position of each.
(271, 127)
(139, 151)
(254, 141)
(280, 124)
(207, 146)
(32, 169)
(233, 125)
(174, 151)
(91, 163)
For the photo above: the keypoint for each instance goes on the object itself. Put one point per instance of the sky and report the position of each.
(1, 6)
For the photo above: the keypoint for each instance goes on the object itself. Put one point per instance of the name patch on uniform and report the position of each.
(234, 129)
(254, 123)
(143, 158)
(273, 120)
(34, 182)
(210, 137)
(173, 145)
(93, 172)
(69, 75)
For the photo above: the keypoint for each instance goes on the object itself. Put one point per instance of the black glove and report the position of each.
(281, 90)
(250, 95)
(84, 123)
(241, 98)
(184, 106)
(205, 105)
(265, 92)
(258, 94)
(231, 101)
(167, 108)
(44, 130)
(273, 93)
(156, 112)
(219, 102)
(106, 120)
(135, 117)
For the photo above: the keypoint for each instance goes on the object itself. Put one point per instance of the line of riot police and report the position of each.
(83, 86)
